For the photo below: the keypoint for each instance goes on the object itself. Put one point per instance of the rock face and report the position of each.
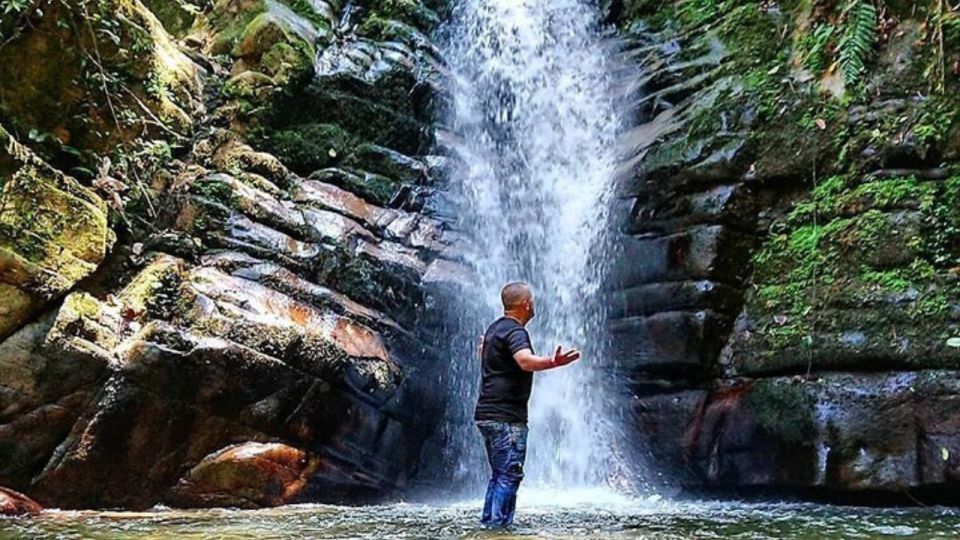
(786, 303)
(250, 338)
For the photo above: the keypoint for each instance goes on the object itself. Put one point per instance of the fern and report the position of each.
(859, 36)
(818, 42)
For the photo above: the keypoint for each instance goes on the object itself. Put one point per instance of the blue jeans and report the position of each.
(506, 450)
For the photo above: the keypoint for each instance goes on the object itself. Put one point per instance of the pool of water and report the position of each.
(559, 518)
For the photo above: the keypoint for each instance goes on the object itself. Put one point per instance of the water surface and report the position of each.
(604, 519)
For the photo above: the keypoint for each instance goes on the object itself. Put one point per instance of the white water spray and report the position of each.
(537, 120)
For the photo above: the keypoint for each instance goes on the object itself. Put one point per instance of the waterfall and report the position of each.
(536, 119)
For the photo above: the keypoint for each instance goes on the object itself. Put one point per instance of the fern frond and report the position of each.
(859, 36)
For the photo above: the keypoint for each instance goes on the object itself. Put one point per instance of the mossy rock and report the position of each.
(368, 119)
(155, 290)
(784, 409)
(64, 102)
(867, 257)
(309, 147)
(53, 233)
(380, 13)
(250, 28)
(373, 187)
(177, 16)
(277, 25)
(386, 162)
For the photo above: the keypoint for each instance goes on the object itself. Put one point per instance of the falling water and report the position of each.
(536, 122)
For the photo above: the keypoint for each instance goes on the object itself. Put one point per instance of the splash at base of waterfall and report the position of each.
(636, 519)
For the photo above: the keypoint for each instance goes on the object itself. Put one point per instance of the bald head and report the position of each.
(513, 295)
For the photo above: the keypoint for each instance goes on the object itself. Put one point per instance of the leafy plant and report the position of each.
(859, 36)
(818, 43)
(14, 6)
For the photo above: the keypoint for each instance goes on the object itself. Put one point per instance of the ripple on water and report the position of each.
(543, 515)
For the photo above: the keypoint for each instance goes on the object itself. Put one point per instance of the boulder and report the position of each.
(249, 475)
(17, 504)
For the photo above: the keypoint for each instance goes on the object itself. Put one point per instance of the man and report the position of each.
(508, 363)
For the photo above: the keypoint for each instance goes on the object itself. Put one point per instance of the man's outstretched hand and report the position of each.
(561, 358)
(531, 362)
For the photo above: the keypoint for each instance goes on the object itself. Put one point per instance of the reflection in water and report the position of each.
(607, 518)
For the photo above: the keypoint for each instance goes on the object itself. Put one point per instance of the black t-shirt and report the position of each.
(504, 387)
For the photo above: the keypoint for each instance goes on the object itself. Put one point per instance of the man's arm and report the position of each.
(531, 362)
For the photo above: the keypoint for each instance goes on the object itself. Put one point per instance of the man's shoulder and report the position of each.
(504, 325)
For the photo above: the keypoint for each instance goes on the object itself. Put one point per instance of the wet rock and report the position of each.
(44, 390)
(378, 91)
(279, 278)
(250, 475)
(373, 187)
(674, 296)
(327, 196)
(17, 504)
(731, 205)
(883, 431)
(841, 313)
(389, 163)
(333, 228)
(179, 397)
(252, 201)
(712, 252)
(262, 241)
(669, 342)
(287, 324)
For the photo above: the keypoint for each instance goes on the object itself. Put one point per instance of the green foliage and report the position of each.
(817, 46)
(938, 116)
(859, 37)
(944, 37)
(942, 225)
(14, 7)
(698, 12)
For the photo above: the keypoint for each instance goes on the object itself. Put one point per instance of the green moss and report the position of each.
(372, 187)
(939, 114)
(382, 13)
(825, 253)
(177, 16)
(230, 27)
(309, 147)
(214, 190)
(305, 9)
(783, 409)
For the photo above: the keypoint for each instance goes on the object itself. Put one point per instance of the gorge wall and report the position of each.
(787, 301)
(218, 230)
